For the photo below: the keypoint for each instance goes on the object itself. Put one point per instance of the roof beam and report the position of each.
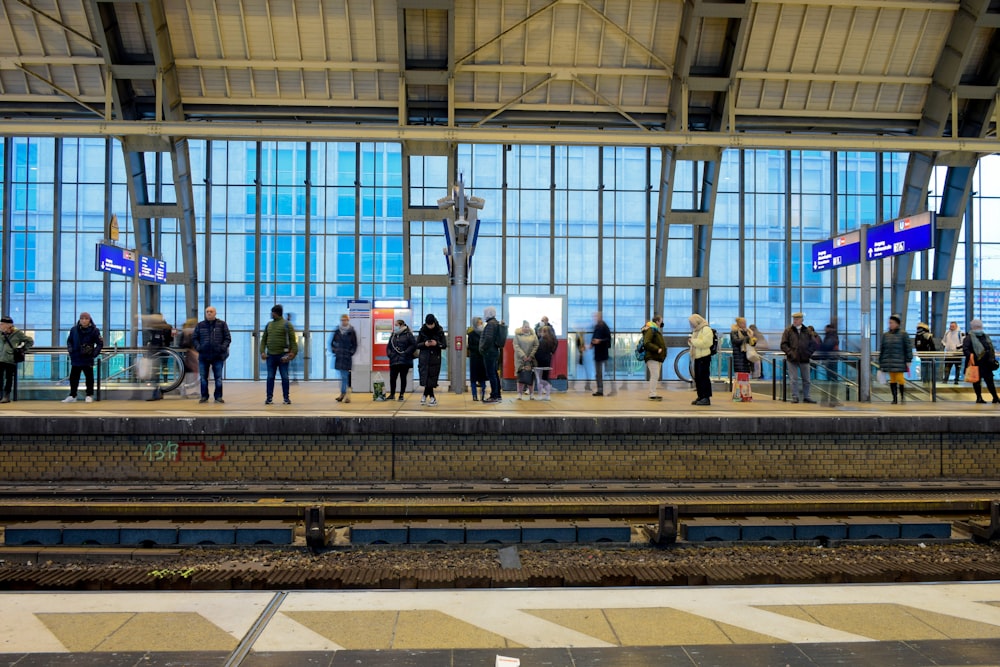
(278, 131)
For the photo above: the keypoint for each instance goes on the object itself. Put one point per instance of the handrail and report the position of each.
(129, 372)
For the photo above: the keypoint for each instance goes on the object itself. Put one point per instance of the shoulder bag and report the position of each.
(972, 371)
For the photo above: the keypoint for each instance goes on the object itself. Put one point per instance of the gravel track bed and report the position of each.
(443, 567)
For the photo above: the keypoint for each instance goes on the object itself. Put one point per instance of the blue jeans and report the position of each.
(216, 367)
(344, 379)
(275, 365)
(798, 373)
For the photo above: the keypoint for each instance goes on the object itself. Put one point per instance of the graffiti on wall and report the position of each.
(173, 452)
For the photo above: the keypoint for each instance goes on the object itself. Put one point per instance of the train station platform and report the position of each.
(910, 625)
(575, 436)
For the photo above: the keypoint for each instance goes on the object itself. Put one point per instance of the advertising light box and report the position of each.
(112, 259)
(901, 236)
(839, 251)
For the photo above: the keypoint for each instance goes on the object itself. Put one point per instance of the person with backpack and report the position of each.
(491, 342)
(278, 347)
(701, 343)
(799, 345)
(343, 345)
(84, 345)
(655, 350)
(923, 341)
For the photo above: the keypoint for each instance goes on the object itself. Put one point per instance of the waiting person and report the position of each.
(430, 342)
(158, 335)
(84, 345)
(979, 352)
(923, 341)
(490, 346)
(477, 369)
(700, 349)
(400, 351)
(799, 345)
(547, 346)
(211, 339)
(343, 345)
(11, 339)
(829, 346)
(656, 352)
(544, 322)
(525, 347)
(761, 345)
(278, 347)
(894, 356)
(952, 344)
(739, 337)
(600, 343)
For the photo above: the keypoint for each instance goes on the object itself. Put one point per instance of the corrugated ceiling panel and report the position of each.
(711, 44)
(132, 27)
(290, 84)
(316, 84)
(265, 84)
(259, 35)
(760, 36)
(929, 37)
(311, 30)
(231, 30)
(285, 31)
(214, 81)
(977, 49)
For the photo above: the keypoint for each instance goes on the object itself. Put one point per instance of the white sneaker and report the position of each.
(69, 399)
(423, 400)
(89, 399)
(433, 401)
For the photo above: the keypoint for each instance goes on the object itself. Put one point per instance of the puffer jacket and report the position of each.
(652, 341)
(400, 348)
(343, 346)
(78, 338)
(895, 351)
(525, 347)
(701, 342)
(739, 339)
(212, 340)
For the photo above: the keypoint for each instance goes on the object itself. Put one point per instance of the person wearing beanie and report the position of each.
(84, 345)
(894, 357)
(924, 342)
(799, 346)
(979, 352)
(430, 343)
(11, 338)
(491, 342)
(278, 346)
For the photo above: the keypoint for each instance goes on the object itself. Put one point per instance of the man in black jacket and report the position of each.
(211, 339)
(799, 345)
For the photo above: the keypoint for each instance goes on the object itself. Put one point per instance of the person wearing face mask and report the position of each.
(430, 342)
(400, 351)
(84, 344)
(343, 345)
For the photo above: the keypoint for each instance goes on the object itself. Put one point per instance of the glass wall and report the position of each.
(312, 225)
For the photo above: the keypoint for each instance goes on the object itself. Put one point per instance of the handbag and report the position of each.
(18, 353)
(971, 371)
(753, 356)
(526, 377)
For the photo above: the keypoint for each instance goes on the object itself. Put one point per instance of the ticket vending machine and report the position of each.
(384, 316)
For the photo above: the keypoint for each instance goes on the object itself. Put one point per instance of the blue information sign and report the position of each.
(901, 236)
(152, 269)
(112, 259)
(837, 252)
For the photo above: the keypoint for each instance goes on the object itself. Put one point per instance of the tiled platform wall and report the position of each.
(642, 449)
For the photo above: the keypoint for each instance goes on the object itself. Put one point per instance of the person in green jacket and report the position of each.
(278, 347)
(11, 338)
(656, 352)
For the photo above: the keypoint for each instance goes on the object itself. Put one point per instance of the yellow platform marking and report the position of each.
(591, 622)
(672, 627)
(889, 622)
(383, 630)
(143, 631)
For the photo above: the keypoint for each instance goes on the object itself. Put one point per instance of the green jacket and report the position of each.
(17, 339)
(278, 337)
(652, 340)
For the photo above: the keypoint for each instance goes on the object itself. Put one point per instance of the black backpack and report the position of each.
(500, 336)
(715, 343)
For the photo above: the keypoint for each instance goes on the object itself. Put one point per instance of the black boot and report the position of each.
(902, 393)
(894, 393)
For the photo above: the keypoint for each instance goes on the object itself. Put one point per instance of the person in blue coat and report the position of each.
(343, 346)
(83, 344)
